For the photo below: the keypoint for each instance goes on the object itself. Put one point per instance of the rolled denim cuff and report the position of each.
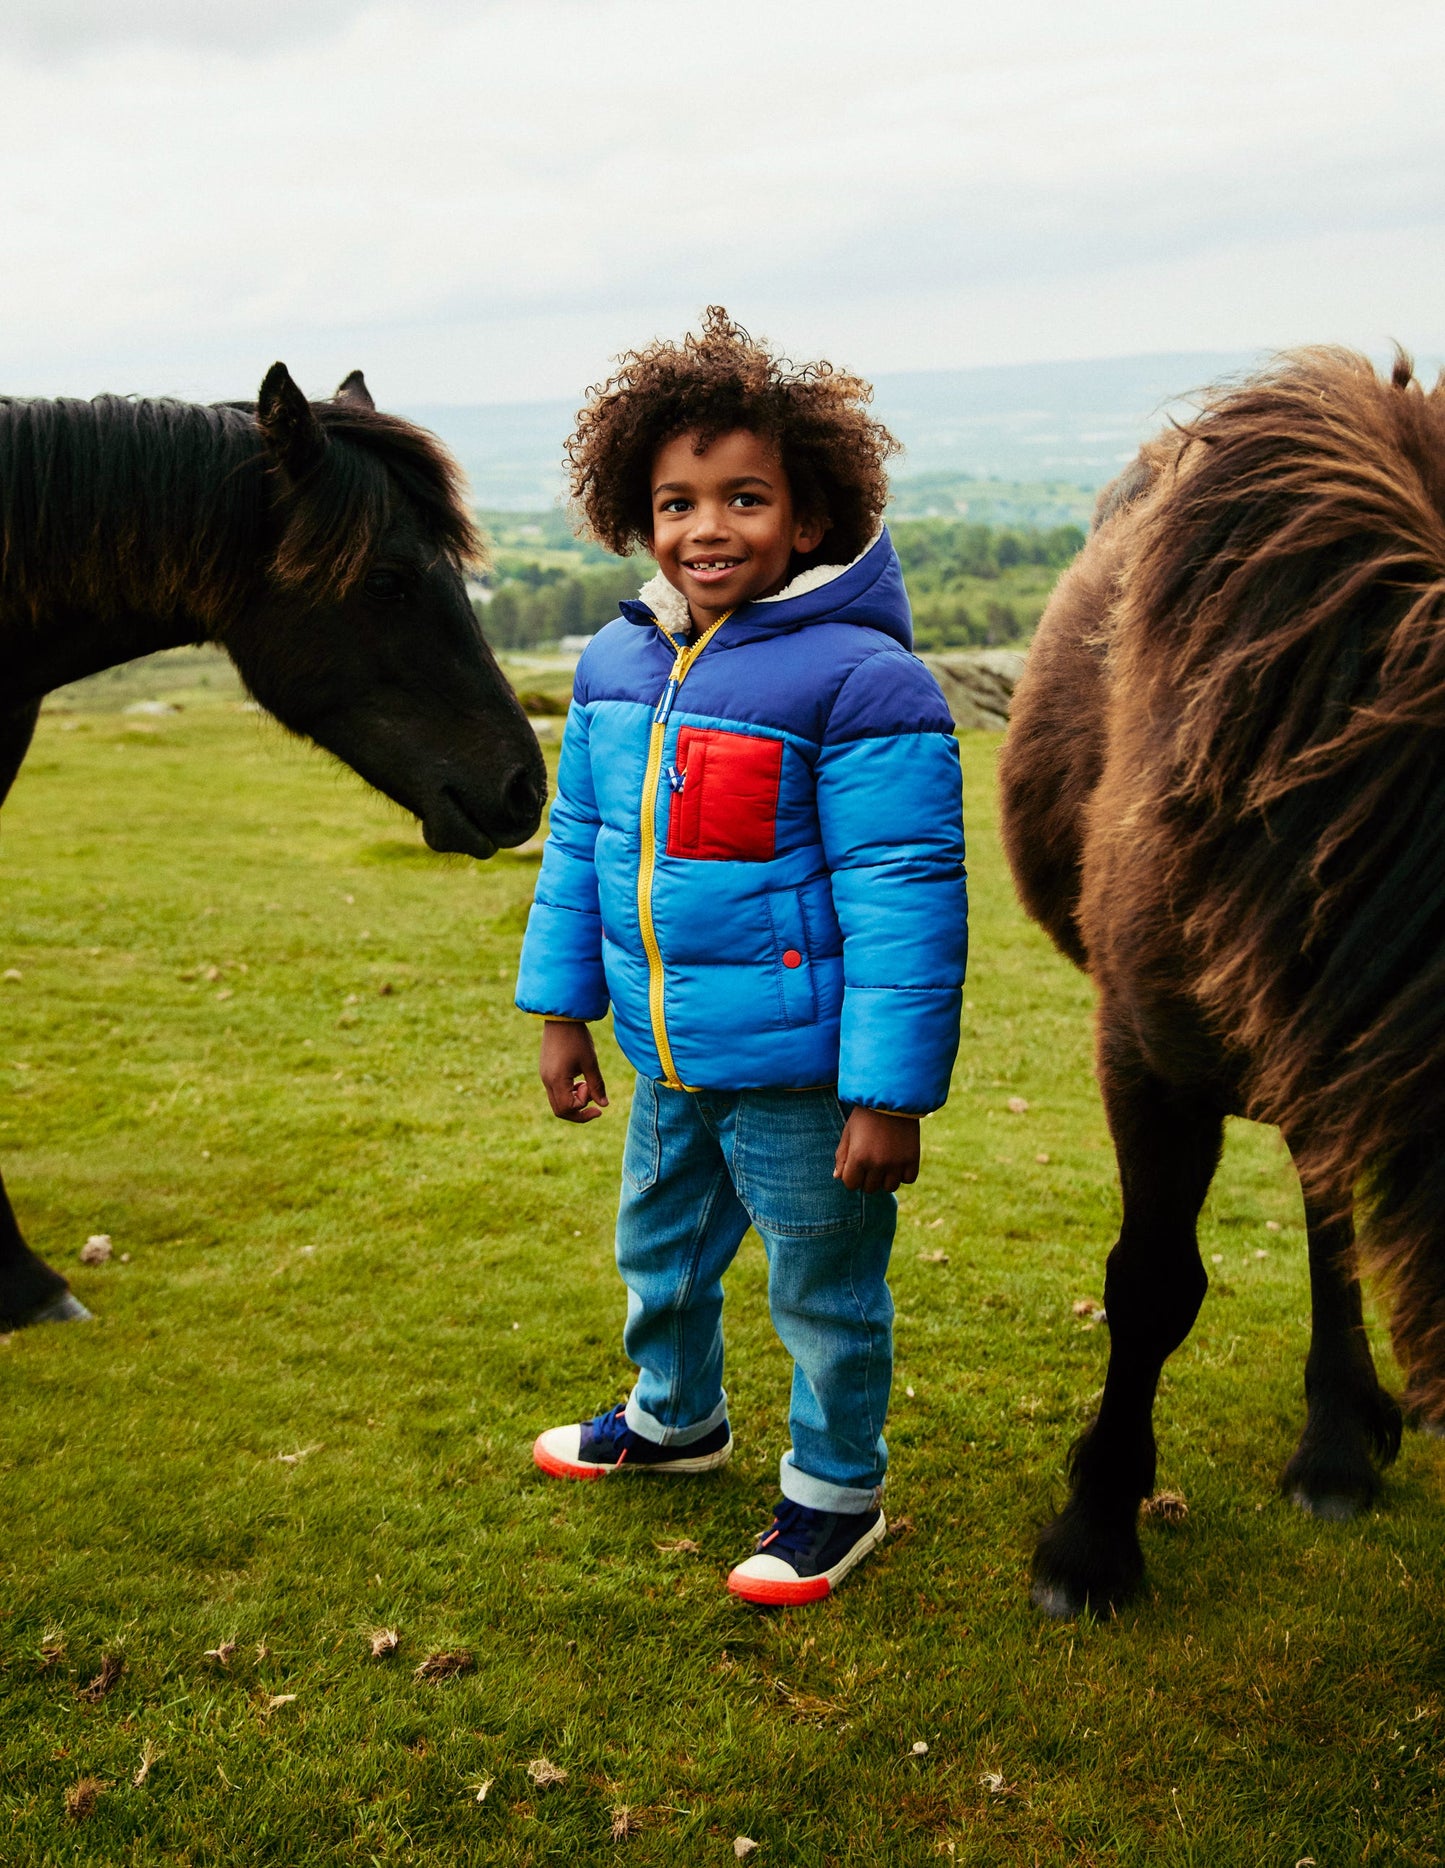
(819, 1495)
(643, 1424)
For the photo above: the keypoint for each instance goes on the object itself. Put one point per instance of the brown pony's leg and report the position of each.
(1353, 1425)
(1168, 1143)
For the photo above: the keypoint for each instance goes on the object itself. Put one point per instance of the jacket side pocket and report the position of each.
(642, 1152)
(792, 962)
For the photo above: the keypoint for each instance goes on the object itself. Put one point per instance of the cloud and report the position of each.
(71, 29)
(494, 198)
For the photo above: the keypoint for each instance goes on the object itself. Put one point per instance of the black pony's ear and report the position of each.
(288, 424)
(353, 389)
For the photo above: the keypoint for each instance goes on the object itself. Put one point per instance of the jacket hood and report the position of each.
(869, 592)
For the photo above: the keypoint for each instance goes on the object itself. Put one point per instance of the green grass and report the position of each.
(352, 1229)
(199, 676)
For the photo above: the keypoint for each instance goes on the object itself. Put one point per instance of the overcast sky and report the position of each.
(483, 201)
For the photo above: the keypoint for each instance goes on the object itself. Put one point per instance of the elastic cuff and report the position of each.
(646, 1428)
(819, 1495)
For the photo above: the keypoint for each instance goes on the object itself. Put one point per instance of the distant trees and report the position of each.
(971, 585)
(937, 553)
(539, 603)
(979, 586)
(954, 623)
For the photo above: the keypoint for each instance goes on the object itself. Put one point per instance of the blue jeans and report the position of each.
(698, 1168)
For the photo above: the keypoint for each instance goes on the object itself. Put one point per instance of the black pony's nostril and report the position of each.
(523, 796)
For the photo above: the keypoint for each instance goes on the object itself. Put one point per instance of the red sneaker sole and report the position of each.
(565, 1468)
(778, 1594)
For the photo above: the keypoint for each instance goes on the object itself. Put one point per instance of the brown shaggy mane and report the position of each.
(1284, 614)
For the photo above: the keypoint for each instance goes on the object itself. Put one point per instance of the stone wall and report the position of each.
(978, 684)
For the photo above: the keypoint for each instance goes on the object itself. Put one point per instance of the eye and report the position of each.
(746, 499)
(673, 505)
(384, 586)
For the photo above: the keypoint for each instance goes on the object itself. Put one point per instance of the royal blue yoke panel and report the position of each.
(808, 895)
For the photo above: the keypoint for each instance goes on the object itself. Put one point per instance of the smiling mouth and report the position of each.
(709, 570)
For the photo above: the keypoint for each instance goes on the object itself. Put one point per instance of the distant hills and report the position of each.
(1035, 504)
(1075, 422)
(1045, 429)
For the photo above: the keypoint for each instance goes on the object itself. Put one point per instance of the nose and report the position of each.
(708, 522)
(523, 795)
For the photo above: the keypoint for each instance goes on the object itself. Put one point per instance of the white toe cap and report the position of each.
(563, 1442)
(763, 1568)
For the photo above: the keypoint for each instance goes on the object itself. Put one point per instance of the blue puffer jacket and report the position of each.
(756, 847)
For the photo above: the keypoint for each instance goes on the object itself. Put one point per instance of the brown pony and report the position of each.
(1224, 796)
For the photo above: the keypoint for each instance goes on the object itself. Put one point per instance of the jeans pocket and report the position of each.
(787, 1141)
(642, 1153)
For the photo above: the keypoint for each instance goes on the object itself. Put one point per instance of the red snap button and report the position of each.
(792, 957)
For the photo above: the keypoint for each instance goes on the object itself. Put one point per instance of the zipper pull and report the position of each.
(664, 706)
(676, 780)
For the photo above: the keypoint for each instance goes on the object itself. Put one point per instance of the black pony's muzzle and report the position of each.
(523, 795)
(462, 823)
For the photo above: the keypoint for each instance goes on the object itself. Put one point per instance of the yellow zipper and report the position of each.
(647, 860)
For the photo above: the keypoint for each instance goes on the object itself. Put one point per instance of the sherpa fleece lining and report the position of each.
(669, 606)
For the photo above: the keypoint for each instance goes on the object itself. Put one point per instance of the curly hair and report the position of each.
(832, 450)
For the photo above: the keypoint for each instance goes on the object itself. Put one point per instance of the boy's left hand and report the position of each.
(877, 1153)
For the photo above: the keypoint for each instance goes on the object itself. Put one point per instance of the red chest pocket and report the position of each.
(725, 796)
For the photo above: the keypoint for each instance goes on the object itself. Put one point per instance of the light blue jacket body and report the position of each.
(756, 849)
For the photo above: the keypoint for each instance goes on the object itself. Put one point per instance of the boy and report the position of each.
(756, 856)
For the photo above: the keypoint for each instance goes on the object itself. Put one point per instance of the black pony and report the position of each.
(322, 546)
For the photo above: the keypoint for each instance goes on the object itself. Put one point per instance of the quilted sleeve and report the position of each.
(890, 803)
(560, 973)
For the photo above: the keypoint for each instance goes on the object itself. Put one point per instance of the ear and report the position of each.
(355, 391)
(808, 534)
(288, 425)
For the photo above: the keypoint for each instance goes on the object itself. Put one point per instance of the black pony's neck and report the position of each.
(125, 526)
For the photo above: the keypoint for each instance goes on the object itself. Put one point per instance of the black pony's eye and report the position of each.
(384, 586)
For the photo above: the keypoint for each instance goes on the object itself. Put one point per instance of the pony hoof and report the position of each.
(1332, 1507)
(1053, 1600)
(67, 1308)
(1085, 1562)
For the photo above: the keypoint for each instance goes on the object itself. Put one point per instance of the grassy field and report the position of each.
(265, 1041)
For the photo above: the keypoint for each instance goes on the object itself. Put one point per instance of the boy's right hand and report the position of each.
(570, 1072)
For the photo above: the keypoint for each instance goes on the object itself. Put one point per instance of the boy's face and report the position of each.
(723, 526)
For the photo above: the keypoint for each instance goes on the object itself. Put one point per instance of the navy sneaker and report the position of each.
(591, 1449)
(806, 1553)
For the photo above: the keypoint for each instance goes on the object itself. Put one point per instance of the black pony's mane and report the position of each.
(122, 504)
